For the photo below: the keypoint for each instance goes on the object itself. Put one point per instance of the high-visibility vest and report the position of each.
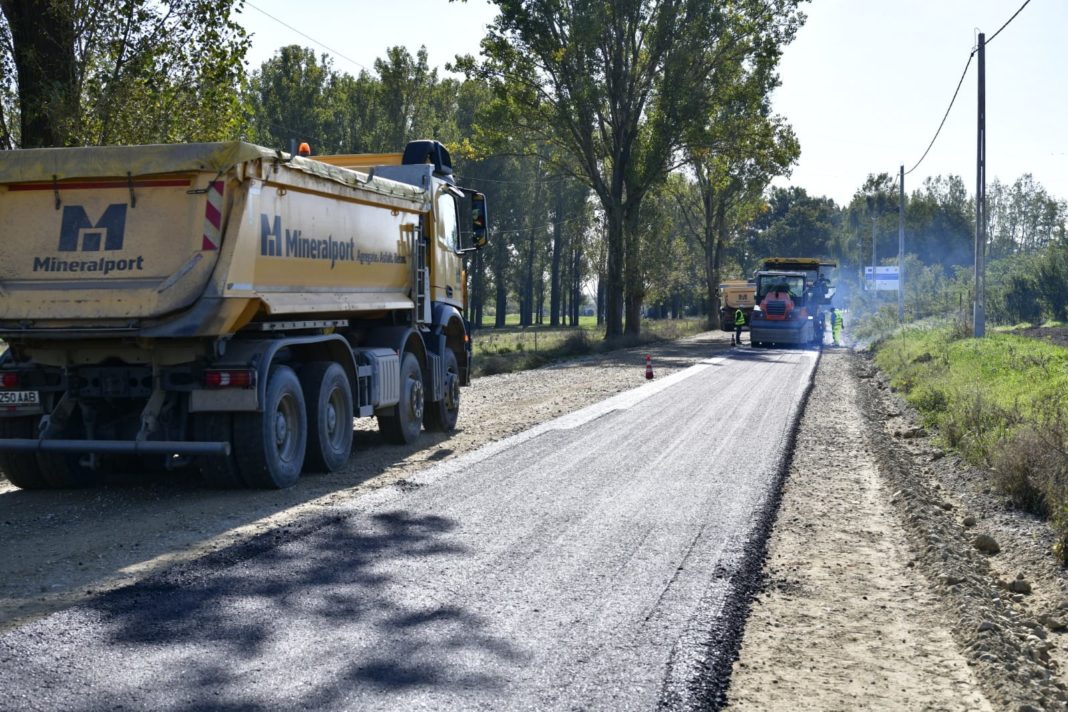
(739, 318)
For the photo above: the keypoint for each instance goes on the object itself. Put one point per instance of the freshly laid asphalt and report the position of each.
(599, 561)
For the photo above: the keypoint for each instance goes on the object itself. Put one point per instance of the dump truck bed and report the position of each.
(195, 239)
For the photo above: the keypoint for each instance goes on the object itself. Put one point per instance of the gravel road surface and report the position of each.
(587, 562)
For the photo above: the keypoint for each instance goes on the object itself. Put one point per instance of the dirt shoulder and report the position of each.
(845, 620)
(875, 594)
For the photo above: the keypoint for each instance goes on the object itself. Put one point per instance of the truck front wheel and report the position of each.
(441, 415)
(403, 425)
(270, 445)
(329, 409)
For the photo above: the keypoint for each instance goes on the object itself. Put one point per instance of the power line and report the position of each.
(961, 82)
(1008, 21)
(306, 36)
(946, 116)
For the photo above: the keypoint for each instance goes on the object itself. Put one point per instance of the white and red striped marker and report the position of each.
(213, 217)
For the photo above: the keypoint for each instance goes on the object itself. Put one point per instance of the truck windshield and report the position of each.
(448, 227)
(793, 284)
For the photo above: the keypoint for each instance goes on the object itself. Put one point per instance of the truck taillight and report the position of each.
(230, 378)
(9, 380)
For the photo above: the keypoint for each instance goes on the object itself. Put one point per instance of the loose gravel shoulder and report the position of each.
(896, 578)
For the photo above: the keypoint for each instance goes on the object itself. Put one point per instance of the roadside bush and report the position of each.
(576, 344)
(491, 365)
(1020, 465)
(930, 400)
(975, 425)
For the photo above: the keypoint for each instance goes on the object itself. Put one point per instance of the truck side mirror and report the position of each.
(479, 221)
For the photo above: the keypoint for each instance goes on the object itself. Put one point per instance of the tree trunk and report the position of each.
(558, 238)
(42, 33)
(710, 209)
(613, 305)
(602, 298)
(500, 280)
(478, 289)
(576, 284)
(539, 299)
(633, 281)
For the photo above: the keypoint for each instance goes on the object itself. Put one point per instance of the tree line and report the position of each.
(626, 147)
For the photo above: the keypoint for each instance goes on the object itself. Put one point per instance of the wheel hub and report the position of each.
(281, 428)
(415, 399)
(331, 417)
(452, 390)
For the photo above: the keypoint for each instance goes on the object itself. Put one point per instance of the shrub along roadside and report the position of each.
(1000, 401)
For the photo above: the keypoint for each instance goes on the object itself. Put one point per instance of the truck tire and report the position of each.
(269, 446)
(65, 470)
(328, 396)
(403, 425)
(217, 472)
(21, 468)
(441, 415)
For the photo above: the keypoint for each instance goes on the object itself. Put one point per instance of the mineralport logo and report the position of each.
(276, 242)
(77, 233)
(77, 230)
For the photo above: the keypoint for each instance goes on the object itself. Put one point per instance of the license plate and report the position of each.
(19, 398)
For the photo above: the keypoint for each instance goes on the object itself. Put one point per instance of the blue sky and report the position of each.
(865, 83)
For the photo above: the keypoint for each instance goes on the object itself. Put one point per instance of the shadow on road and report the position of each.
(68, 544)
(308, 615)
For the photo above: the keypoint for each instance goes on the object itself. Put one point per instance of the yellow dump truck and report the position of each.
(226, 306)
(735, 294)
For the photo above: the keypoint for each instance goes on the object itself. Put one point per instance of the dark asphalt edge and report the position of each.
(708, 691)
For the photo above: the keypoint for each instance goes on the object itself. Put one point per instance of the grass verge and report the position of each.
(1000, 401)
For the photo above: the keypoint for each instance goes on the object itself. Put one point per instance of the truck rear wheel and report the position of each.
(269, 446)
(64, 470)
(328, 396)
(441, 416)
(403, 426)
(22, 468)
(218, 472)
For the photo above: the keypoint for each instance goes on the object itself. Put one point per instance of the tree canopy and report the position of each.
(82, 72)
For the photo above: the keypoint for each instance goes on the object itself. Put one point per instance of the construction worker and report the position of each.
(836, 326)
(739, 322)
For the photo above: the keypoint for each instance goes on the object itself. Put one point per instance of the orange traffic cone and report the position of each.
(648, 367)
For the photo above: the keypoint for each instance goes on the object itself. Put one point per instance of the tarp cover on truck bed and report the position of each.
(48, 164)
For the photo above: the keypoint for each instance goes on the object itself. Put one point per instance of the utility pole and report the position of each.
(873, 219)
(979, 305)
(901, 249)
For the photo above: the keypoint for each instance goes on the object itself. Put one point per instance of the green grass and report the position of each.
(1009, 372)
(1001, 401)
